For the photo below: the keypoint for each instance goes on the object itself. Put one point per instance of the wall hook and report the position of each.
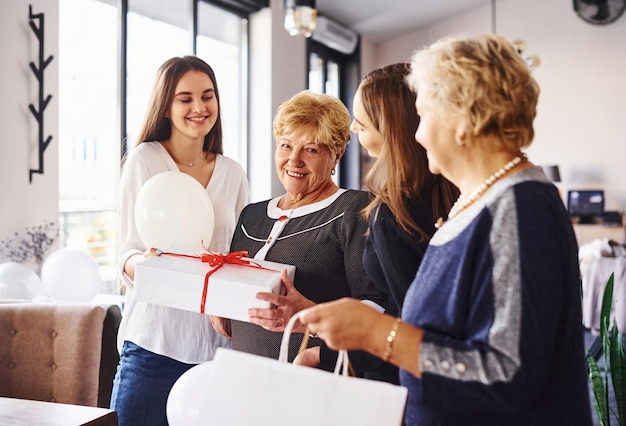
(38, 71)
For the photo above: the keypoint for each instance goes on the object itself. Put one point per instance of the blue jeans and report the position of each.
(142, 383)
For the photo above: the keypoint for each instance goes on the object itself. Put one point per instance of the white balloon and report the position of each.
(185, 398)
(72, 275)
(18, 281)
(173, 209)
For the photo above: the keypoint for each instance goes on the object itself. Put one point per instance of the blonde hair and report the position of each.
(482, 83)
(323, 118)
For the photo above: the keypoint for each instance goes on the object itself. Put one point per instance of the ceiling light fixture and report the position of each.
(300, 17)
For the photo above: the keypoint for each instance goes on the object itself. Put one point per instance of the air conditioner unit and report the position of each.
(335, 36)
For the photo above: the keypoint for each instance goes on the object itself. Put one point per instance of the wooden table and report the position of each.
(15, 411)
(587, 233)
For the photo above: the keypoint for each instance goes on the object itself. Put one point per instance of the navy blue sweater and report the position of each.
(498, 295)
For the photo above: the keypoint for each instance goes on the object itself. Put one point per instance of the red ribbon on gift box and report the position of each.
(217, 260)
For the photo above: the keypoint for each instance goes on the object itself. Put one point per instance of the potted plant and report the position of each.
(614, 362)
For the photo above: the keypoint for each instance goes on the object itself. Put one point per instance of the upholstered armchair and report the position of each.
(54, 352)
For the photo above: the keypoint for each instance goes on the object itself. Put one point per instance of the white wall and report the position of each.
(24, 204)
(582, 106)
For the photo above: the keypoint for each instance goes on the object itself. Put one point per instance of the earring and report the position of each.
(332, 172)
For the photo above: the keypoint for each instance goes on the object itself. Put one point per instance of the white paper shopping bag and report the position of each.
(246, 389)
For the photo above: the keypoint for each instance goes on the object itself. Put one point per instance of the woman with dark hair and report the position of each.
(182, 131)
(408, 198)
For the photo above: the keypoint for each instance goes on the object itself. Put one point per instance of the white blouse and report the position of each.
(185, 336)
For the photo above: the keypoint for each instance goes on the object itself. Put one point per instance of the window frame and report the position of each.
(241, 9)
(349, 79)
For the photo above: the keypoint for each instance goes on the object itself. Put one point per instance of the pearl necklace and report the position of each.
(458, 206)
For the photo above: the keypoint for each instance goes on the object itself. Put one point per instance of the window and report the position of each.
(88, 137)
(324, 78)
(89, 101)
(157, 31)
(337, 74)
(221, 42)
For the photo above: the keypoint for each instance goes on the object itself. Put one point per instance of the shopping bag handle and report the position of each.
(342, 358)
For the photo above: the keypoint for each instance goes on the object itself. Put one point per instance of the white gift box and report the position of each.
(178, 282)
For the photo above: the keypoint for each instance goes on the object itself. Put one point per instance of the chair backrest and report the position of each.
(110, 358)
(51, 352)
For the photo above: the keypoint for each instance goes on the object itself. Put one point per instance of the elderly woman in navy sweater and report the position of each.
(491, 330)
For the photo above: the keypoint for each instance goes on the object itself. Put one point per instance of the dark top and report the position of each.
(325, 241)
(498, 296)
(391, 259)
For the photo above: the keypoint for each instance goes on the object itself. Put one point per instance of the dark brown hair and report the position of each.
(400, 172)
(156, 126)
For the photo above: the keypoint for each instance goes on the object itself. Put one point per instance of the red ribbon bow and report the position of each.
(217, 260)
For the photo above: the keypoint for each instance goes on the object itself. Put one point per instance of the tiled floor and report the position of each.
(588, 341)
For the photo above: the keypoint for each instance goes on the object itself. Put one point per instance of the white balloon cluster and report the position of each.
(71, 275)
(67, 274)
(19, 282)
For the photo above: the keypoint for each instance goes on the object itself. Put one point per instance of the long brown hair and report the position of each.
(156, 126)
(400, 172)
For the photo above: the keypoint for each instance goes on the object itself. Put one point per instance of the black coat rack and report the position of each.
(43, 103)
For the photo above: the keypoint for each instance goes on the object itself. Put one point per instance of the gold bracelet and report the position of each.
(390, 339)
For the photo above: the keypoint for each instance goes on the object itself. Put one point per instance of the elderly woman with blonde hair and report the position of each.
(491, 330)
(314, 225)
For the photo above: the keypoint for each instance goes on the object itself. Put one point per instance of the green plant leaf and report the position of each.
(607, 300)
(599, 388)
(605, 312)
(618, 371)
(605, 321)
